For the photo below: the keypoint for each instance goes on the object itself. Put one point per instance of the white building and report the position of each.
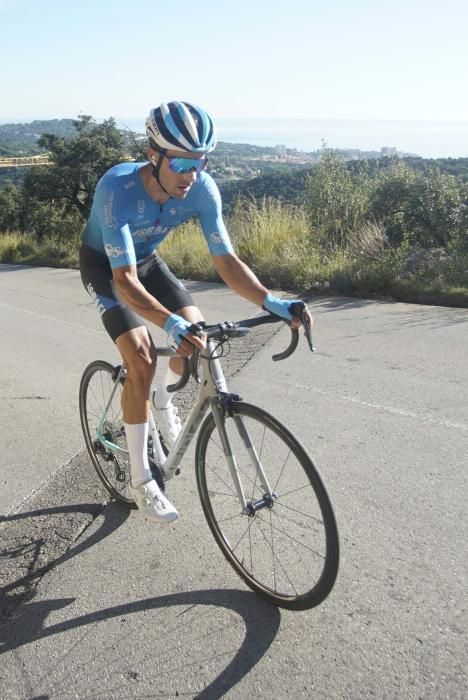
(280, 150)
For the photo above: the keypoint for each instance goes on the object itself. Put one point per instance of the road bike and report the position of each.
(261, 493)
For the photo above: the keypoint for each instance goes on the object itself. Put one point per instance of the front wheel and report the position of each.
(285, 543)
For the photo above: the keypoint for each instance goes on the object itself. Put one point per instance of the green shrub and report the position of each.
(337, 201)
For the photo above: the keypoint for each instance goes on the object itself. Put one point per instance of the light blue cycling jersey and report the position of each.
(128, 225)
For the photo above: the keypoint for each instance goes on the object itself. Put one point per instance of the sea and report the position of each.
(428, 139)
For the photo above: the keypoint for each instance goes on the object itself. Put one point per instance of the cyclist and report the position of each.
(135, 207)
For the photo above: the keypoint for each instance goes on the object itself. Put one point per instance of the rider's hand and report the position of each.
(181, 335)
(282, 308)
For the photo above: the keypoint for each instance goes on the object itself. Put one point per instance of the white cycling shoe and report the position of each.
(169, 424)
(152, 503)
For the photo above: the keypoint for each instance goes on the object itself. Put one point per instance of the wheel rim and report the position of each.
(114, 468)
(281, 547)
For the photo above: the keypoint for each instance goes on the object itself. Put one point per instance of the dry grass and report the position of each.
(26, 250)
(276, 242)
(369, 240)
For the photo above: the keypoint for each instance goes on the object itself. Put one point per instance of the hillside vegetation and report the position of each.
(388, 228)
(22, 139)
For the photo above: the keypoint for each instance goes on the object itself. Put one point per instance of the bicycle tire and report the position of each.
(319, 513)
(104, 461)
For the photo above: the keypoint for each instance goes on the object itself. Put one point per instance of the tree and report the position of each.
(337, 200)
(78, 163)
(10, 206)
(427, 208)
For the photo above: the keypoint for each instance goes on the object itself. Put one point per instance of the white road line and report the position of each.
(388, 409)
(57, 320)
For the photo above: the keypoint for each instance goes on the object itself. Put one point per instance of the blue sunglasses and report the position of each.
(186, 165)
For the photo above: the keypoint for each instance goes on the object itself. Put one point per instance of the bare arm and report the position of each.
(244, 282)
(240, 278)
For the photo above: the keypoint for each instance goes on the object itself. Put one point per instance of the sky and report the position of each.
(309, 59)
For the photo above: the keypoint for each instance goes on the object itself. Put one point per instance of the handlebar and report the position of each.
(236, 329)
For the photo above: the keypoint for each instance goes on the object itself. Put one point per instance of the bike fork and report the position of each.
(248, 507)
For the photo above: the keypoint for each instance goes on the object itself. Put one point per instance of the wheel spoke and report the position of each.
(223, 480)
(272, 552)
(306, 566)
(221, 493)
(243, 535)
(299, 488)
(290, 537)
(282, 470)
(231, 517)
(294, 510)
(280, 565)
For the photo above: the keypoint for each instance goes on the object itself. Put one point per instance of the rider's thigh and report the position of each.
(138, 352)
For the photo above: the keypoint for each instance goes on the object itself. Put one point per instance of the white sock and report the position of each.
(162, 397)
(137, 441)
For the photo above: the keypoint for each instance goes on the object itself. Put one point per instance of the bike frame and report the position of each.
(213, 396)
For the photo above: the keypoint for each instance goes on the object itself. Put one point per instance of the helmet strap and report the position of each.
(155, 171)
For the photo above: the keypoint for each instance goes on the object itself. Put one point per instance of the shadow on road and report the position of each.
(34, 555)
(415, 315)
(214, 641)
(261, 622)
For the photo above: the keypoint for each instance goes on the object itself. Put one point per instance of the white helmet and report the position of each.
(181, 126)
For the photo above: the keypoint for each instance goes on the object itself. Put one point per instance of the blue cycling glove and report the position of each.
(177, 329)
(280, 307)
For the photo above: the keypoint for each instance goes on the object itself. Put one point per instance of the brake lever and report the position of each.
(307, 329)
(194, 364)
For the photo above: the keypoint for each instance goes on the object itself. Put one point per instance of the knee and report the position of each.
(191, 313)
(141, 366)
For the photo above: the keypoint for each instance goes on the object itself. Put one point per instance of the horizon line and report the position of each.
(446, 120)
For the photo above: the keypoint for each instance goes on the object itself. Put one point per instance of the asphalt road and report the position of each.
(130, 611)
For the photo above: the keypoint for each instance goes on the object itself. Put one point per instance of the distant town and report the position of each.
(231, 161)
(292, 155)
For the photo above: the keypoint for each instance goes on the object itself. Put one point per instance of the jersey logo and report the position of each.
(130, 184)
(109, 218)
(144, 232)
(173, 211)
(216, 237)
(113, 251)
(141, 206)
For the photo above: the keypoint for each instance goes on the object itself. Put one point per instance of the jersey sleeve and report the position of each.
(111, 212)
(211, 218)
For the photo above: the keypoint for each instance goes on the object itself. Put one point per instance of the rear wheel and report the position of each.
(285, 543)
(113, 469)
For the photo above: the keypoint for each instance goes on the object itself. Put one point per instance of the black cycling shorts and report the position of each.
(154, 275)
